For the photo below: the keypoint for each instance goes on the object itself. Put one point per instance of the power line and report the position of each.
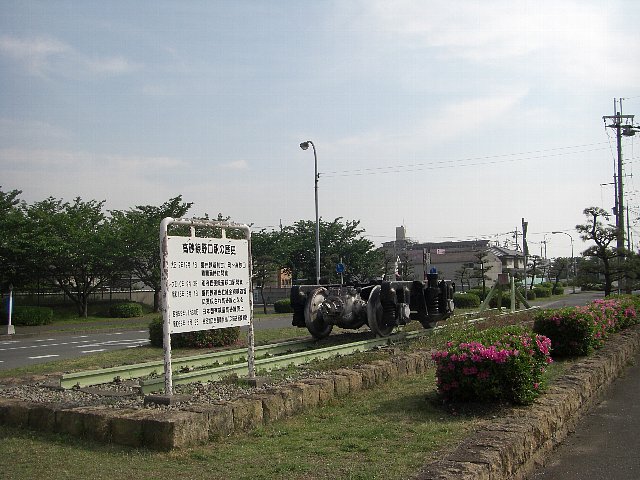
(475, 161)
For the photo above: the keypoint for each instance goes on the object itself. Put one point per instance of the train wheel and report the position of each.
(313, 317)
(375, 317)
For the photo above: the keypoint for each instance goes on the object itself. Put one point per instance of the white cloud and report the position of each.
(473, 115)
(34, 53)
(113, 65)
(568, 41)
(12, 131)
(123, 180)
(45, 56)
(236, 165)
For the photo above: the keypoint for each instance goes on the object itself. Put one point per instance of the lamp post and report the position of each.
(304, 146)
(573, 260)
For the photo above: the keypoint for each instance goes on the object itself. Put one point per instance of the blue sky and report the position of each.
(455, 119)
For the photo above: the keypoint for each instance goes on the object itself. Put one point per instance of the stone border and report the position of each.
(514, 445)
(197, 424)
(511, 447)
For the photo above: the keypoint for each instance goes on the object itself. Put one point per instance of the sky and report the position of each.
(454, 119)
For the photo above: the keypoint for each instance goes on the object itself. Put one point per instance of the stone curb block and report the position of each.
(170, 429)
(509, 448)
(513, 446)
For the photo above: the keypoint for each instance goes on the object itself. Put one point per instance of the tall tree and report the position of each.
(603, 235)
(481, 267)
(339, 240)
(12, 255)
(267, 259)
(559, 268)
(73, 245)
(464, 275)
(138, 232)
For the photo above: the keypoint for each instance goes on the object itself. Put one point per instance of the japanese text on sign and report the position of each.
(208, 283)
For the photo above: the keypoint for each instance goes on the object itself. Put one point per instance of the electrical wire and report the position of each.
(466, 162)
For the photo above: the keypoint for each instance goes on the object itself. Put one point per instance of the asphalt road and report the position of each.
(22, 350)
(19, 350)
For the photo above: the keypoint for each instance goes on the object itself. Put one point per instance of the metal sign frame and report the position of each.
(165, 268)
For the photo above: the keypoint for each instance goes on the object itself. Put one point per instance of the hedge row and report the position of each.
(29, 316)
(220, 337)
(125, 310)
(580, 330)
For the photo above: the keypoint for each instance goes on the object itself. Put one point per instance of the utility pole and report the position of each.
(623, 125)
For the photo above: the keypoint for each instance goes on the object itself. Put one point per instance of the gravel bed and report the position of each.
(126, 394)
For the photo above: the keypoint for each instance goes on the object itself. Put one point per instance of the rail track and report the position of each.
(218, 365)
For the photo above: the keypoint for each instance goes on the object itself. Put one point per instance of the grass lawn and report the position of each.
(385, 433)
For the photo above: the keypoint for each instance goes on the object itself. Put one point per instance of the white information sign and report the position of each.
(208, 283)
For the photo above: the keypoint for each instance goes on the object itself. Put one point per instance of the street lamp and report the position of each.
(304, 146)
(573, 261)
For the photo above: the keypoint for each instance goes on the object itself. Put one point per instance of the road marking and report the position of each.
(9, 342)
(42, 345)
(46, 340)
(94, 351)
(42, 356)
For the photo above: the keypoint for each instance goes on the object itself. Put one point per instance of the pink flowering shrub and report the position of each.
(579, 330)
(495, 364)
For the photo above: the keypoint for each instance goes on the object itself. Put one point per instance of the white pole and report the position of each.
(251, 354)
(10, 306)
(166, 327)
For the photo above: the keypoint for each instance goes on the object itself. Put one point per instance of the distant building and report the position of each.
(410, 260)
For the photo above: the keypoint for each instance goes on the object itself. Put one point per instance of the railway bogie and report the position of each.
(382, 306)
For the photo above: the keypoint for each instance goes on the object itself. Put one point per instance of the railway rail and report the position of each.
(218, 365)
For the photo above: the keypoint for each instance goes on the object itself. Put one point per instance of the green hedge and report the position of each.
(220, 337)
(542, 291)
(576, 331)
(558, 290)
(282, 306)
(125, 310)
(29, 316)
(466, 300)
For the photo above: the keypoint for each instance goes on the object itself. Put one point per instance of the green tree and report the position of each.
(559, 269)
(534, 269)
(339, 240)
(267, 259)
(603, 235)
(464, 275)
(137, 232)
(12, 256)
(481, 268)
(72, 244)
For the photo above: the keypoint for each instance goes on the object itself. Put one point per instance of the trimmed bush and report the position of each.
(571, 330)
(558, 290)
(125, 310)
(577, 331)
(542, 291)
(494, 364)
(155, 332)
(220, 337)
(531, 295)
(283, 306)
(478, 291)
(29, 316)
(466, 300)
